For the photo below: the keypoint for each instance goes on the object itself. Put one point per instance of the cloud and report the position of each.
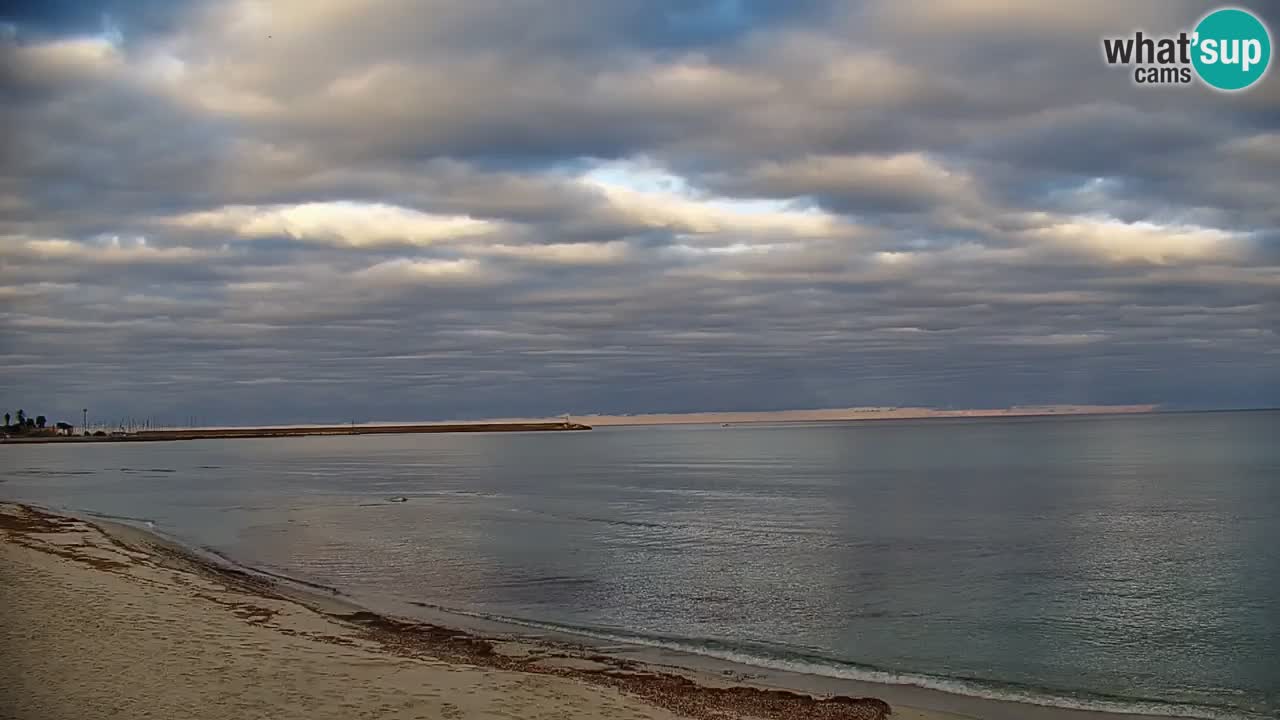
(705, 216)
(525, 208)
(1001, 18)
(1147, 241)
(67, 59)
(339, 223)
(564, 253)
(904, 181)
(106, 251)
(424, 271)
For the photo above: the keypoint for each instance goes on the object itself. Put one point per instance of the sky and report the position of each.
(321, 210)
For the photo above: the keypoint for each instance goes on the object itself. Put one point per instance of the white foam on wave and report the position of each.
(848, 671)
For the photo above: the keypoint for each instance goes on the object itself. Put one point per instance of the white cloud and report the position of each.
(403, 270)
(70, 58)
(105, 251)
(668, 204)
(1120, 241)
(349, 224)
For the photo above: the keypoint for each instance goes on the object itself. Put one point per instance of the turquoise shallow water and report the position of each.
(1126, 563)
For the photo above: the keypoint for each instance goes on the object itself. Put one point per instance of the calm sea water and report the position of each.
(1117, 562)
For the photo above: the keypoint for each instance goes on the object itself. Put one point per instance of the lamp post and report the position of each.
(84, 419)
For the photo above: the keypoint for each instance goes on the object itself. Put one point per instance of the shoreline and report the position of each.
(237, 624)
(677, 680)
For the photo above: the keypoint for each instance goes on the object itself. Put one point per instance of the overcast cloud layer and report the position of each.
(314, 210)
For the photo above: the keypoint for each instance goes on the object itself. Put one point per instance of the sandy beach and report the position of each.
(116, 623)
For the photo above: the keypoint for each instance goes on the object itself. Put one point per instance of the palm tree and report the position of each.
(40, 421)
(6, 419)
(22, 416)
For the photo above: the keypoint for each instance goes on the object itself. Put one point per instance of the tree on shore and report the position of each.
(21, 424)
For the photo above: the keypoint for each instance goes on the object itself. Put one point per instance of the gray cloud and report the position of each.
(296, 212)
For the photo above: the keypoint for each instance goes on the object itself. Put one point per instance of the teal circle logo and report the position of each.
(1232, 49)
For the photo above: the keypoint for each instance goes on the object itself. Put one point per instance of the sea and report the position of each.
(1128, 563)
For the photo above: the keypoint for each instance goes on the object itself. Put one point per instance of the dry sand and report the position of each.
(99, 624)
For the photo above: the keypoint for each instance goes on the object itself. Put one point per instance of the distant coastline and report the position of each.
(301, 431)
(861, 413)
(588, 421)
